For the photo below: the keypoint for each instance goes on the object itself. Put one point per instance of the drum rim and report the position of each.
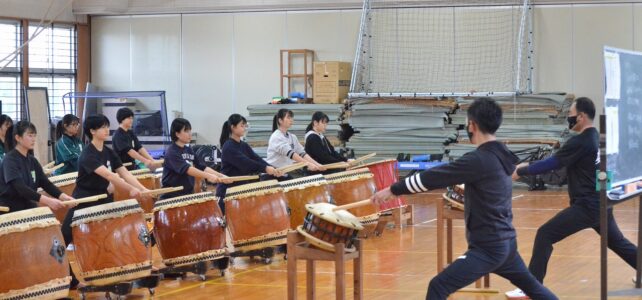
(253, 189)
(375, 162)
(62, 179)
(356, 223)
(25, 220)
(350, 175)
(300, 183)
(320, 243)
(116, 274)
(269, 239)
(184, 200)
(56, 288)
(195, 258)
(456, 204)
(106, 211)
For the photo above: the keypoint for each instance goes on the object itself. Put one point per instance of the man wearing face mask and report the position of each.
(486, 171)
(580, 156)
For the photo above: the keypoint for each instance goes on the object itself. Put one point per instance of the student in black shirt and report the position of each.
(486, 171)
(99, 171)
(126, 143)
(6, 133)
(317, 145)
(22, 175)
(237, 157)
(580, 156)
(97, 164)
(179, 168)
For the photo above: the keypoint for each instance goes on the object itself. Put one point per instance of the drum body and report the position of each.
(148, 180)
(66, 183)
(111, 243)
(189, 229)
(302, 191)
(257, 215)
(352, 186)
(324, 228)
(385, 174)
(32, 256)
(455, 195)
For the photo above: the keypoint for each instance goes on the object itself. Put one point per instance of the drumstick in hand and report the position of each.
(49, 165)
(84, 200)
(291, 167)
(362, 159)
(353, 205)
(242, 178)
(338, 165)
(4, 209)
(48, 171)
(161, 191)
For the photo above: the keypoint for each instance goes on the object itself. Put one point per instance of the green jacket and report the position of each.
(2, 151)
(68, 150)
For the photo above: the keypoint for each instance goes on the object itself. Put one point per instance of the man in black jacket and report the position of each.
(580, 156)
(486, 171)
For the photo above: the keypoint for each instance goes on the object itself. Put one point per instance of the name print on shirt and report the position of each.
(188, 157)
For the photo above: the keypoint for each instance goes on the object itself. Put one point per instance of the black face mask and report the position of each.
(470, 135)
(572, 121)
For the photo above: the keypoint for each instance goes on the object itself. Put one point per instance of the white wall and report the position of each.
(212, 65)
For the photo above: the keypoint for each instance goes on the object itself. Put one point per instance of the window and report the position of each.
(52, 64)
(10, 76)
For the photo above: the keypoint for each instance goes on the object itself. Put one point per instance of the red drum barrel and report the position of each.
(257, 215)
(32, 256)
(385, 174)
(111, 243)
(189, 229)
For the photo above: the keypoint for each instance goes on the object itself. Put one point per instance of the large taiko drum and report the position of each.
(66, 183)
(189, 229)
(32, 256)
(257, 215)
(111, 243)
(148, 180)
(301, 191)
(455, 196)
(385, 174)
(352, 186)
(325, 228)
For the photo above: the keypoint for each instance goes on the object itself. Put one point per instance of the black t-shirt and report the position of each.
(123, 141)
(89, 183)
(177, 161)
(580, 156)
(20, 178)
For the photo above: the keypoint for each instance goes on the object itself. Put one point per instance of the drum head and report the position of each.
(339, 217)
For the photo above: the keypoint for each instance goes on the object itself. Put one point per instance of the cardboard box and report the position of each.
(331, 81)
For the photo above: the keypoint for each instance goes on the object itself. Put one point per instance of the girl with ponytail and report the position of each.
(237, 157)
(21, 175)
(317, 145)
(284, 148)
(68, 145)
(6, 133)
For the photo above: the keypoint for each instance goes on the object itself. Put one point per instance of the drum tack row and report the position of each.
(113, 241)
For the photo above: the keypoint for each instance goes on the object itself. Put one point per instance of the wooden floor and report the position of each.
(399, 264)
